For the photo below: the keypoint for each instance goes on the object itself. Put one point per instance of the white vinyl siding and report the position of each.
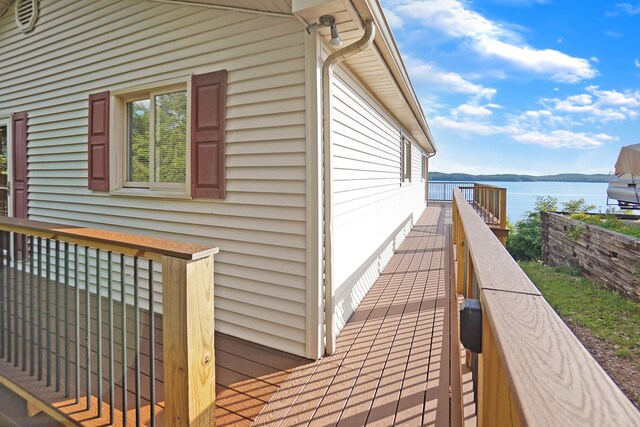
(78, 48)
(373, 208)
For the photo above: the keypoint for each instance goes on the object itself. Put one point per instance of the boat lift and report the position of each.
(625, 188)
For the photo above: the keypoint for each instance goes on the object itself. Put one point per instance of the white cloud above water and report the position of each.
(456, 19)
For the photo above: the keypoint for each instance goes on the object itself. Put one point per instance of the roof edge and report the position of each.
(371, 9)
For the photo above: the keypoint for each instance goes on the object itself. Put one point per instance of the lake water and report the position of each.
(521, 196)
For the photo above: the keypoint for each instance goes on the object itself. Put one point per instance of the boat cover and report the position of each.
(629, 160)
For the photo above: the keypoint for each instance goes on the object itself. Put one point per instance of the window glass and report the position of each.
(157, 140)
(406, 160)
(171, 137)
(138, 116)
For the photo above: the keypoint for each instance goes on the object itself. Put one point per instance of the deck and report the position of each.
(247, 375)
(392, 364)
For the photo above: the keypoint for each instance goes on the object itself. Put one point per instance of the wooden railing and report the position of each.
(488, 201)
(532, 370)
(102, 328)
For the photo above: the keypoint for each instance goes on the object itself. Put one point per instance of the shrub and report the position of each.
(577, 206)
(524, 239)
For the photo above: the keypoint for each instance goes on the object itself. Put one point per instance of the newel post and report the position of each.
(188, 334)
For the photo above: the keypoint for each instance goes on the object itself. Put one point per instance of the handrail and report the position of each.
(532, 370)
(129, 244)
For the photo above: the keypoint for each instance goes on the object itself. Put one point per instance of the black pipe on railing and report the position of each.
(442, 191)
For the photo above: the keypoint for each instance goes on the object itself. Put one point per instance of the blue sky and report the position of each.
(523, 86)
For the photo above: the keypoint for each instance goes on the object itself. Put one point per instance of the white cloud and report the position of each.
(466, 127)
(489, 38)
(613, 34)
(521, 2)
(628, 8)
(636, 62)
(452, 17)
(394, 20)
(559, 66)
(445, 81)
(432, 105)
(538, 127)
(599, 105)
(473, 110)
(563, 139)
(613, 97)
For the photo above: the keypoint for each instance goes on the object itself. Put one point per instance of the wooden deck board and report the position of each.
(391, 366)
(247, 375)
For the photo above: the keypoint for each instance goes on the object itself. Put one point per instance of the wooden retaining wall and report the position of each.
(609, 258)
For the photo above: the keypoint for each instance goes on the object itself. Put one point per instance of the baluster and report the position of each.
(152, 353)
(47, 308)
(40, 312)
(67, 358)
(87, 265)
(124, 342)
(136, 326)
(15, 299)
(110, 315)
(2, 293)
(32, 311)
(57, 303)
(23, 299)
(76, 283)
(99, 331)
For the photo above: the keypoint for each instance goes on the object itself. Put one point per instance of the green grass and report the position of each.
(607, 314)
(609, 222)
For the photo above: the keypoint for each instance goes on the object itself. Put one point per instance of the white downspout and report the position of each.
(327, 72)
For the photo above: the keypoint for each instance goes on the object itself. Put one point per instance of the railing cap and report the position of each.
(130, 244)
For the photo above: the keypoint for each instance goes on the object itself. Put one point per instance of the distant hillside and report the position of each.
(562, 177)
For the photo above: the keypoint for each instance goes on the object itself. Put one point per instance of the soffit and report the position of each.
(271, 6)
(379, 68)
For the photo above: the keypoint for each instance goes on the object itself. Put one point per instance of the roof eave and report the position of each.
(385, 42)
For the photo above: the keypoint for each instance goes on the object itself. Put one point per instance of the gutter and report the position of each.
(327, 72)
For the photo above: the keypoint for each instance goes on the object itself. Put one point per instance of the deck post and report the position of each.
(188, 333)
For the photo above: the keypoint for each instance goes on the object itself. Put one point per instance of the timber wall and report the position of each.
(609, 258)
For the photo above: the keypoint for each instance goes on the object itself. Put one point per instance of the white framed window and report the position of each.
(153, 140)
(405, 154)
(160, 139)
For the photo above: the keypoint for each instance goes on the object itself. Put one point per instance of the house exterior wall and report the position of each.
(373, 209)
(78, 48)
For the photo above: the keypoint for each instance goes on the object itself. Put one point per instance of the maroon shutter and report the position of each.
(99, 141)
(20, 189)
(208, 135)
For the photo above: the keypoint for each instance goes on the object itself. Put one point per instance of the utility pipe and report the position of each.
(327, 72)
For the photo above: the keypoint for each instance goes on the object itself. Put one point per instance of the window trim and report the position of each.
(119, 155)
(405, 159)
